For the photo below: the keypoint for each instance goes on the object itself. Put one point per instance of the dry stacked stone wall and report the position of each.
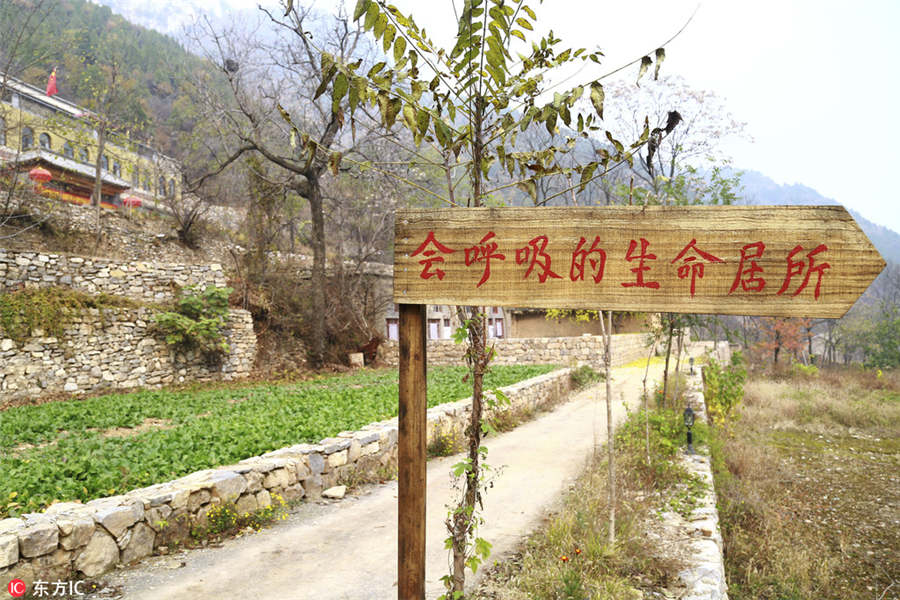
(581, 350)
(112, 348)
(145, 281)
(115, 349)
(70, 538)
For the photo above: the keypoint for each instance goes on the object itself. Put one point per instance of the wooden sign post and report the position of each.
(787, 261)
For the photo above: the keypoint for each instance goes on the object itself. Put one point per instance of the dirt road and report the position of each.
(348, 549)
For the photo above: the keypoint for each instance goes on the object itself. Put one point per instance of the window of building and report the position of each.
(84, 156)
(447, 330)
(434, 329)
(135, 177)
(171, 188)
(393, 328)
(44, 141)
(27, 138)
(117, 168)
(147, 183)
(68, 150)
(2, 132)
(495, 328)
(104, 163)
(161, 186)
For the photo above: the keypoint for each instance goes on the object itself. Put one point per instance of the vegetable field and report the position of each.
(86, 449)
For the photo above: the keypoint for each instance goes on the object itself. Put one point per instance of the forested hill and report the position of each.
(76, 36)
(759, 189)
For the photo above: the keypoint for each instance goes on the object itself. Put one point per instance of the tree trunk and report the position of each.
(606, 330)
(646, 408)
(462, 520)
(668, 354)
(319, 293)
(677, 365)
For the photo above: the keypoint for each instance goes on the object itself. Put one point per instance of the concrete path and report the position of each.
(348, 549)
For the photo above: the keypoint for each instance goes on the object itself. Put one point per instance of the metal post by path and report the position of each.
(411, 455)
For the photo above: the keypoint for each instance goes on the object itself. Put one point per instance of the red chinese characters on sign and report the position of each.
(796, 267)
(486, 251)
(746, 276)
(592, 261)
(639, 270)
(691, 265)
(536, 252)
(576, 271)
(430, 257)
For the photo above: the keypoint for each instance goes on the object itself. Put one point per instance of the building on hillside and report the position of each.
(533, 322)
(441, 322)
(54, 134)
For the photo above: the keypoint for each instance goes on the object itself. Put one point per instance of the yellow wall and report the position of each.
(62, 128)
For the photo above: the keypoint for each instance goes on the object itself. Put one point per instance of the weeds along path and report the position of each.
(348, 549)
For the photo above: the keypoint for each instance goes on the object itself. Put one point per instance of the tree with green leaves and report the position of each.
(470, 102)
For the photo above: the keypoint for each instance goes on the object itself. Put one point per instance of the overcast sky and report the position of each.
(816, 81)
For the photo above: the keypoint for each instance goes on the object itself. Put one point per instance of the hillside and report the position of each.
(77, 37)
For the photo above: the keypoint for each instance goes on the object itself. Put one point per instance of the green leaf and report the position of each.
(442, 132)
(399, 48)
(660, 57)
(389, 34)
(409, 117)
(518, 34)
(341, 85)
(371, 16)
(361, 6)
(393, 109)
(597, 97)
(618, 145)
(646, 61)
(326, 79)
(530, 12)
(380, 26)
(524, 24)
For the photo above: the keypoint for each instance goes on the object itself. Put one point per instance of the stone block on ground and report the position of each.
(141, 544)
(100, 555)
(38, 539)
(336, 493)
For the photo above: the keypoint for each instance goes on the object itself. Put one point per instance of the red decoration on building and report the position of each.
(746, 276)
(485, 252)
(579, 256)
(796, 267)
(535, 251)
(40, 175)
(51, 84)
(691, 265)
(430, 259)
(639, 270)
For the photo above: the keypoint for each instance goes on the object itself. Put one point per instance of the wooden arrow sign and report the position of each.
(790, 261)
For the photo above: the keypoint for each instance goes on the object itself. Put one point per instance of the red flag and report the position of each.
(51, 84)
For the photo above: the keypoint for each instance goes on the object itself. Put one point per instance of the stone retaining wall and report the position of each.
(115, 349)
(88, 539)
(146, 281)
(698, 536)
(584, 349)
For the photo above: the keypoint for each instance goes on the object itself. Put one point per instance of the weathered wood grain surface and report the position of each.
(770, 280)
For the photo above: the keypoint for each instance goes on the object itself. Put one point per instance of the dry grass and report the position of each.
(807, 486)
(570, 557)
